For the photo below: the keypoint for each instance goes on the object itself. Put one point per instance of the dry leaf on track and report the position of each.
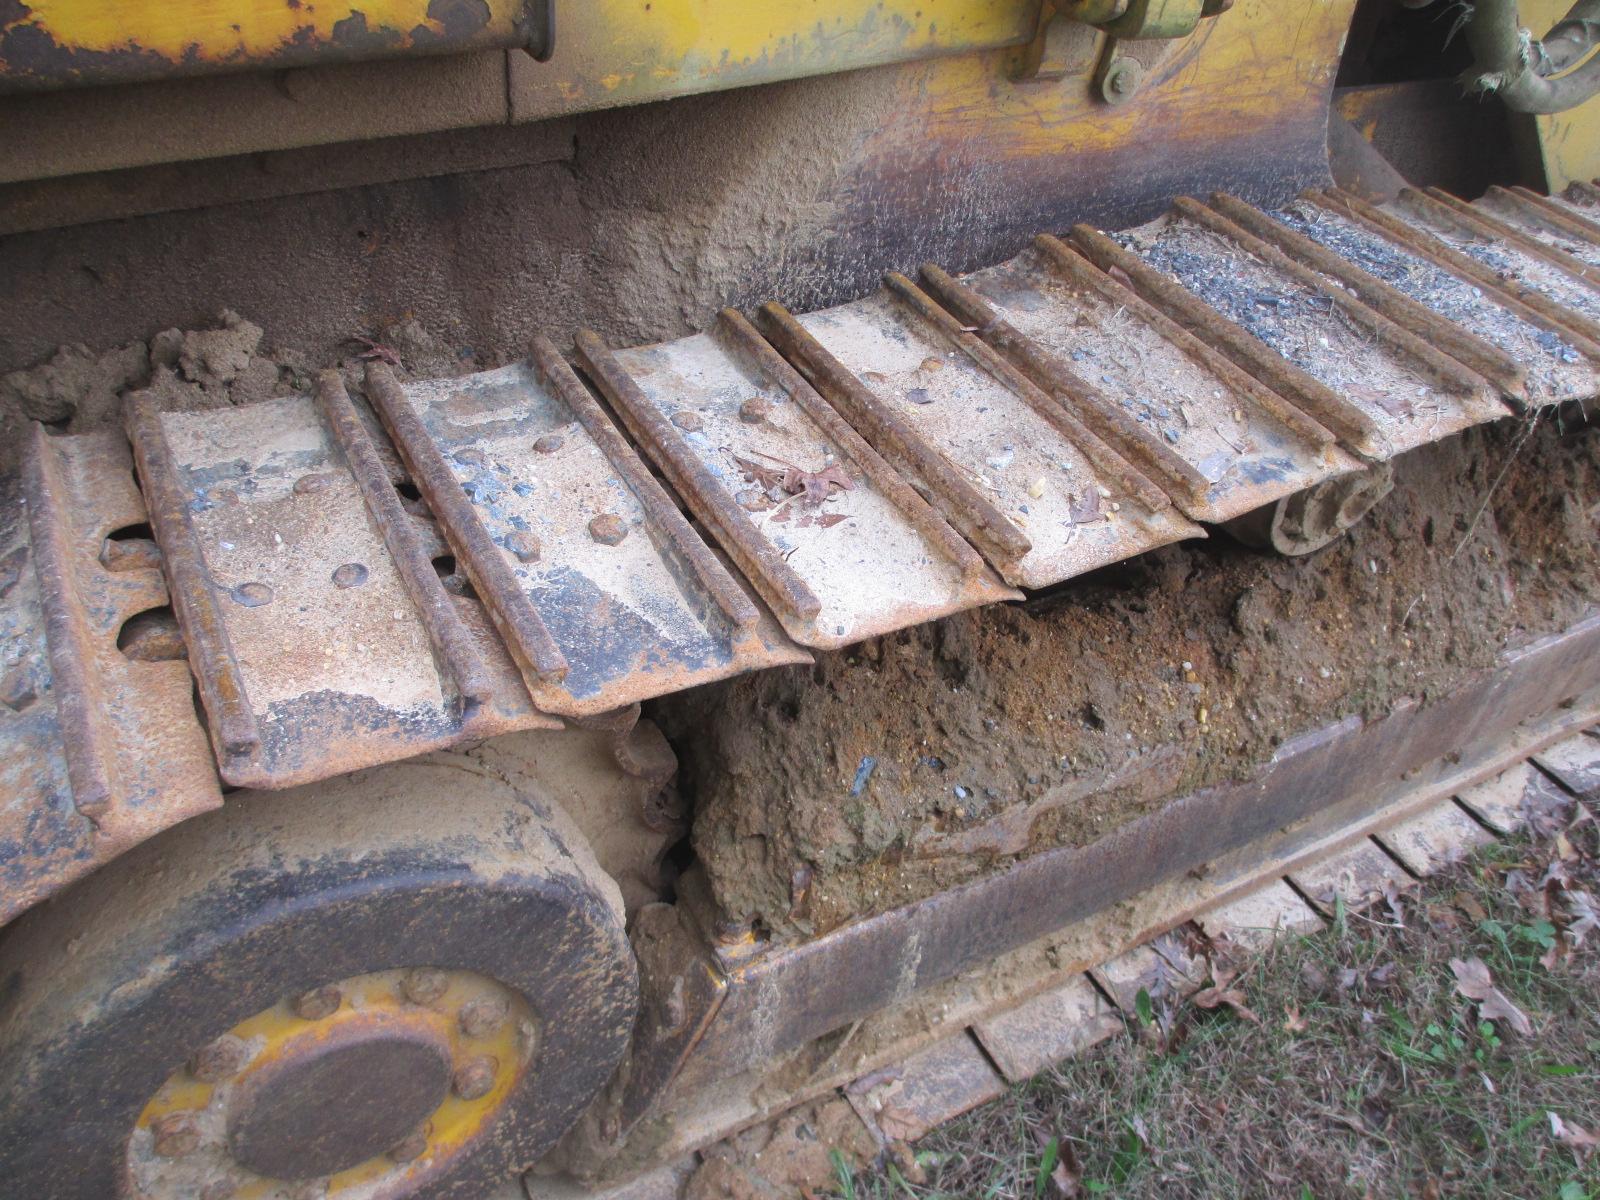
(1575, 1137)
(1475, 983)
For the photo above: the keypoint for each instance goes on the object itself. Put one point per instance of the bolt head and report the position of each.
(317, 1003)
(424, 985)
(221, 1060)
(176, 1134)
(413, 1146)
(608, 529)
(474, 1078)
(483, 1018)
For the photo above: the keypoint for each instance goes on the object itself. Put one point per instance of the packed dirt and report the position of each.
(189, 370)
(916, 761)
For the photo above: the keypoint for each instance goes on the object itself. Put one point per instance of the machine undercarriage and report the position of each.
(738, 644)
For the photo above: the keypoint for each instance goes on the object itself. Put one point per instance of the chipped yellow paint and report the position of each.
(86, 40)
(277, 1033)
(610, 52)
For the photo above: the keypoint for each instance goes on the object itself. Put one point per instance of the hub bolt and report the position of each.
(424, 985)
(483, 1018)
(176, 1134)
(220, 1060)
(412, 1146)
(474, 1078)
(317, 1003)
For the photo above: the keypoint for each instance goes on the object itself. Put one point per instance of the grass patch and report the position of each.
(1368, 1074)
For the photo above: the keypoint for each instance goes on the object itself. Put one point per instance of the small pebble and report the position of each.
(754, 410)
(308, 485)
(1036, 488)
(689, 422)
(549, 443)
(919, 396)
(524, 545)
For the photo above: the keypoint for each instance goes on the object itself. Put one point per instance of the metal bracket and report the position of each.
(1083, 38)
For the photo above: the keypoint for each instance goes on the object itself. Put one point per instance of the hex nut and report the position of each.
(317, 1003)
(175, 1135)
(483, 1018)
(524, 545)
(424, 985)
(608, 529)
(220, 1060)
(474, 1078)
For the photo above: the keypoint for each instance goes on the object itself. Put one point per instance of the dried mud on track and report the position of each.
(915, 761)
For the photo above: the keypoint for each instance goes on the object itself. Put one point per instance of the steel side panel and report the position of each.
(784, 999)
(996, 441)
(1249, 457)
(630, 621)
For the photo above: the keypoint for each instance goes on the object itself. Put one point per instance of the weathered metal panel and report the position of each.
(1222, 443)
(1385, 389)
(319, 633)
(58, 43)
(98, 752)
(838, 544)
(1039, 495)
(604, 592)
(614, 52)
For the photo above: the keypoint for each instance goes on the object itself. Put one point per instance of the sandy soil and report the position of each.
(915, 761)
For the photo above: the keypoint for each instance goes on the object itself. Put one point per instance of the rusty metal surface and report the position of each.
(1493, 275)
(1531, 237)
(54, 44)
(1544, 220)
(1409, 392)
(1519, 264)
(602, 588)
(836, 543)
(1314, 783)
(316, 649)
(986, 448)
(1221, 448)
(928, 1089)
(98, 752)
(1535, 360)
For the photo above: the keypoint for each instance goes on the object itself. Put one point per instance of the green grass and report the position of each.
(1368, 1074)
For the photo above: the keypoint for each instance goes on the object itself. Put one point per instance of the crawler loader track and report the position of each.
(497, 552)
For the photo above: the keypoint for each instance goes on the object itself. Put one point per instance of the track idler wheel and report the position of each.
(406, 983)
(1307, 521)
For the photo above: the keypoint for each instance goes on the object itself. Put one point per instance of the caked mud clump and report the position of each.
(910, 763)
(186, 370)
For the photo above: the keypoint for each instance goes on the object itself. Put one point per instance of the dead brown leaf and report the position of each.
(1212, 997)
(813, 487)
(1574, 1137)
(1066, 1177)
(1475, 983)
(1293, 1022)
(1469, 905)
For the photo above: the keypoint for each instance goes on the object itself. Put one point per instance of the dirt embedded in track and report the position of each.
(916, 761)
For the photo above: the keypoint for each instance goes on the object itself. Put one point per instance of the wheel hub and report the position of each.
(331, 1102)
(358, 1090)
